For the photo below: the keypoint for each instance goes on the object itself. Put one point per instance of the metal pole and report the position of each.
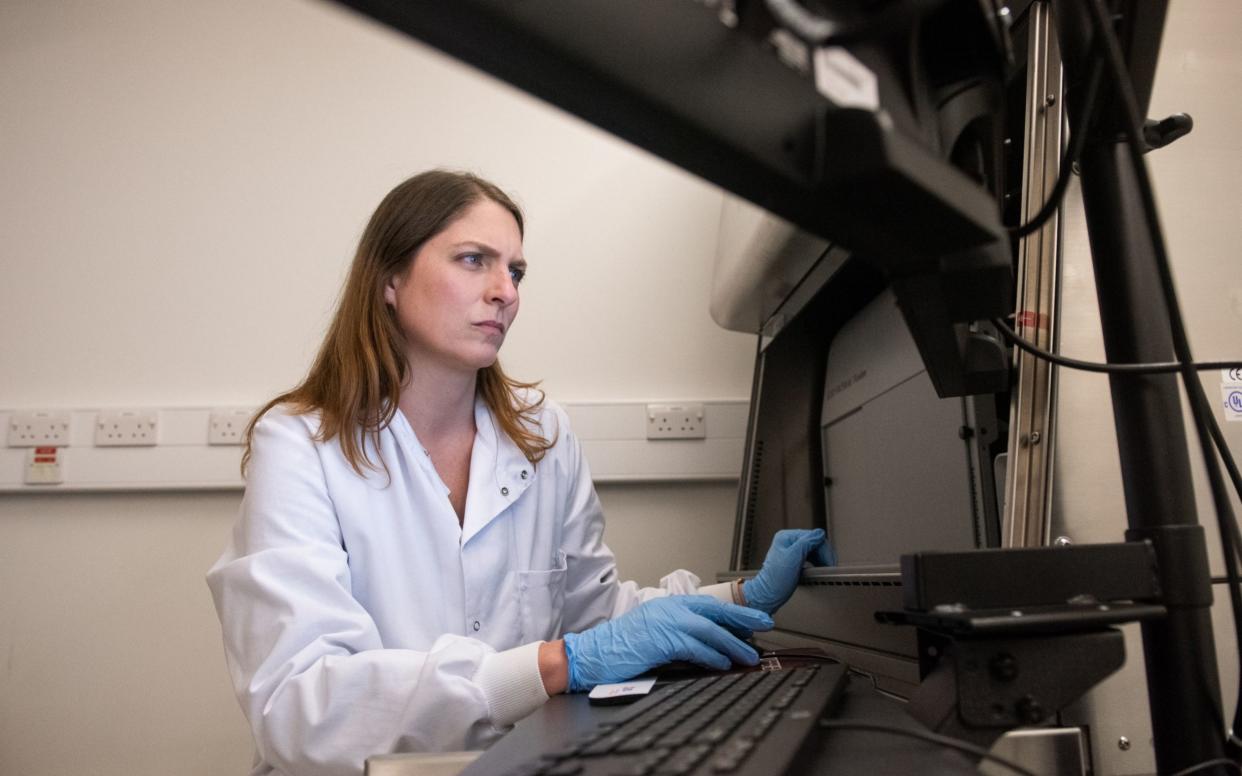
(1183, 686)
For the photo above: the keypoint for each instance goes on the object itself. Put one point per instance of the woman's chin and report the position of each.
(482, 359)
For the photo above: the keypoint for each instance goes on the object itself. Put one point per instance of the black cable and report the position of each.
(923, 735)
(1218, 436)
(1157, 368)
(1163, 367)
(1078, 139)
(1232, 469)
(1203, 766)
(1181, 344)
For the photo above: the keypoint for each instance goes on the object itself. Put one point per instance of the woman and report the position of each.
(419, 561)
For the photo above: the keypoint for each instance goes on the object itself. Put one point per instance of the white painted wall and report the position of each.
(181, 188)
(183, 184)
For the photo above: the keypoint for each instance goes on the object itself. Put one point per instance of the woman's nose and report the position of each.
(503, 290)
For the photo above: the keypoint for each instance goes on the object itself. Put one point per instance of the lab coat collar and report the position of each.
(499, 473)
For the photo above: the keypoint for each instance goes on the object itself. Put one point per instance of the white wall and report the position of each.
(182, 185)
(181, 188)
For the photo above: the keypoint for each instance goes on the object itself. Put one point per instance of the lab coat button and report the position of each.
(476, 625)
(504, 491)
(523, 474)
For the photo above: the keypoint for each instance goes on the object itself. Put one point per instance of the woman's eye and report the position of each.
(517, 274)
(473, 259)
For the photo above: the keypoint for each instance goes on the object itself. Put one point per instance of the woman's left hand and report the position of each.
(776, 581)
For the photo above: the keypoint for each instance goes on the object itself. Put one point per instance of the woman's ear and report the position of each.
(390, 291)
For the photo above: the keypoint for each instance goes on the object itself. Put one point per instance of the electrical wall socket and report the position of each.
(676, 421)
(226, 426)
(38, 429)
(126, 428)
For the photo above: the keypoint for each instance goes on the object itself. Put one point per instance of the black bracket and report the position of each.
(1010, 637)
(980, 688)
(1158, 134)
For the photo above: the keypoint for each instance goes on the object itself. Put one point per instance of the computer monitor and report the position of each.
(847, 433)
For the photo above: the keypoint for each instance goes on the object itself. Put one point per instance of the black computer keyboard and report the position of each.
(736, 724)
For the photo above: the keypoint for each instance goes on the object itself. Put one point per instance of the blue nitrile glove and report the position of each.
(683, 627)
(776, 581)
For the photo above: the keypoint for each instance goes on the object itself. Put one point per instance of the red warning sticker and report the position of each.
(1029, 319)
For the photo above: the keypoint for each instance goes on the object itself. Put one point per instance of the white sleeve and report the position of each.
(320, 689)
(593, 593)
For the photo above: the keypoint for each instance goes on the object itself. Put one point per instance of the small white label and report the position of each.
(1231, 396)
(844, 80)
(635, 687)
(43, 466)
(1231, 393)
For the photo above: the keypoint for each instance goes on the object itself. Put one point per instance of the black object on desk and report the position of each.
(751, 722)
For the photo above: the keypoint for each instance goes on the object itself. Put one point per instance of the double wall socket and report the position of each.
(676, 421)
(38, 429)
(226, 426)
(126, 428)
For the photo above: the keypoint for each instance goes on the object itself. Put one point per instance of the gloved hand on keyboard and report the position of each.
(776, 581)
(698, 629)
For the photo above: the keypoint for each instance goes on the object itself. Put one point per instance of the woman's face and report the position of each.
(459, 295)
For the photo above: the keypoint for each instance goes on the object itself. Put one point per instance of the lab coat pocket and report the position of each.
(542, 597)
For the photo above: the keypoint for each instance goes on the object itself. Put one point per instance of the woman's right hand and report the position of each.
(698, 629)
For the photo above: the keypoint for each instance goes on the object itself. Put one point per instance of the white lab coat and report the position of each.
(360, 618)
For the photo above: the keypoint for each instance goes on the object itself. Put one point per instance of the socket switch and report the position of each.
(226, 426)
(676, 421)
(126, 428)
(38, 429)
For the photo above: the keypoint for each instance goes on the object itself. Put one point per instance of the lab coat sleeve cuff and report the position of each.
(512, 683)
(721, 591)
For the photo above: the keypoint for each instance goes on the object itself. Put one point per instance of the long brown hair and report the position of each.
(356, 378)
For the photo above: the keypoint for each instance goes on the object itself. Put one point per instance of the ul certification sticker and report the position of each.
(1231, 393)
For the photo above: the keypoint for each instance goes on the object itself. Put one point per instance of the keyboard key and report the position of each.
(565, 768)
(785, 698)
(765, 721)
(676, 737)
(646, 764)
(683, 760)
(637, 743)
(713, 734)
